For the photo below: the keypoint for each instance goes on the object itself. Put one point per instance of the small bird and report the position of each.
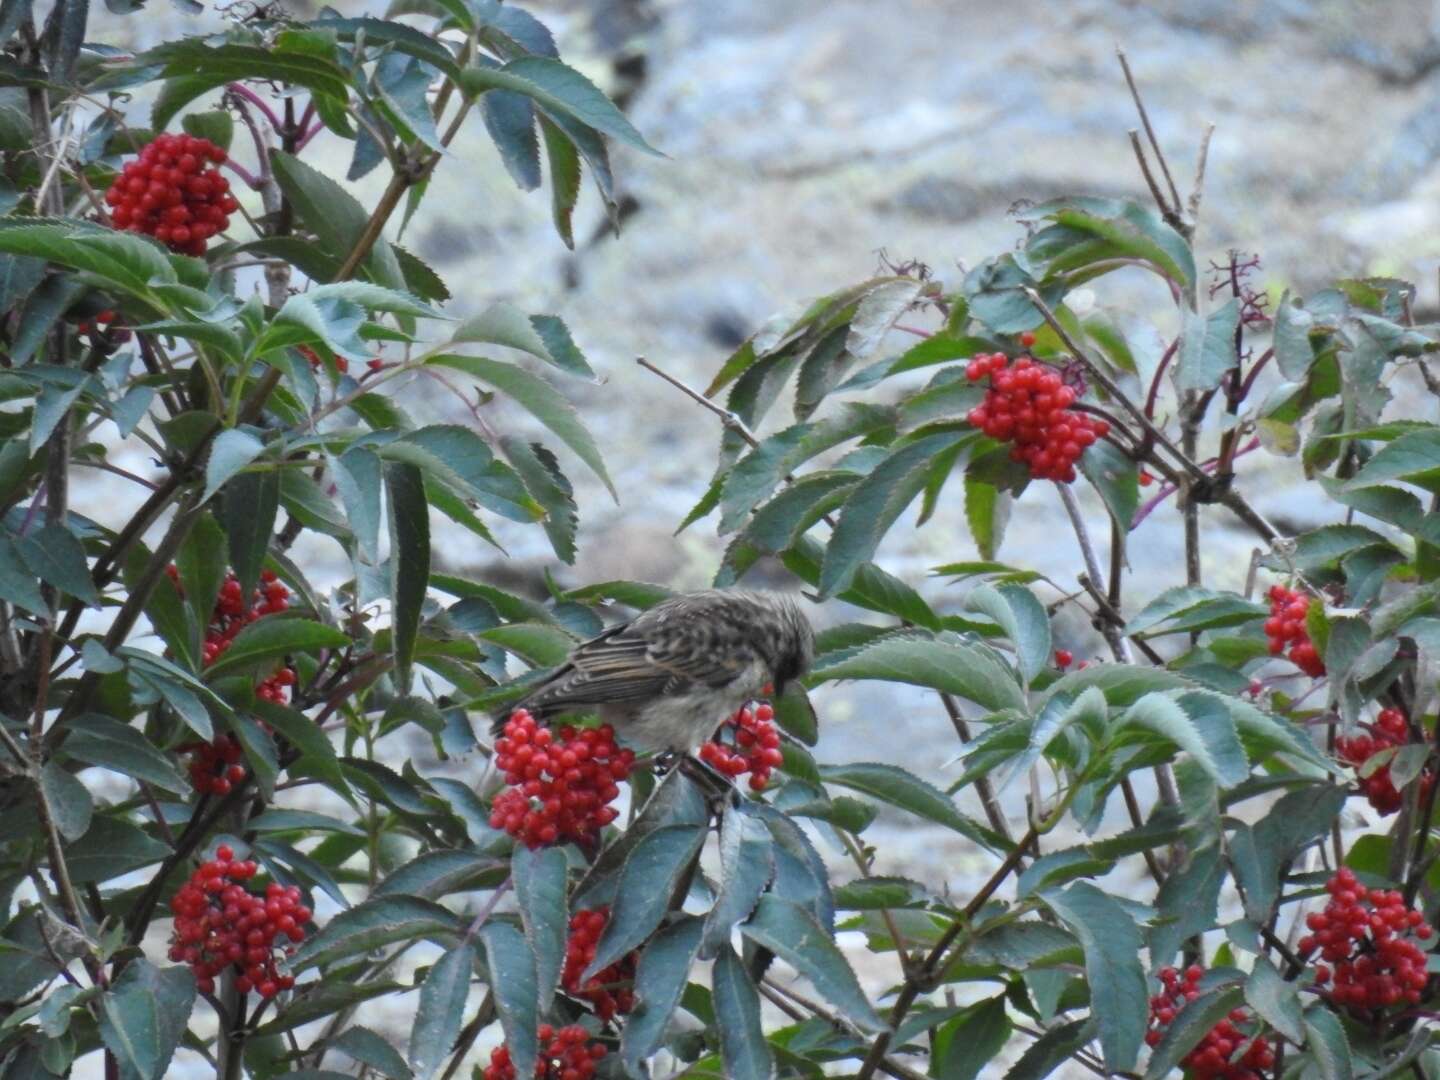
(666, 679)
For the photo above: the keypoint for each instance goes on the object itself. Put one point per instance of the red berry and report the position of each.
(1063, 658)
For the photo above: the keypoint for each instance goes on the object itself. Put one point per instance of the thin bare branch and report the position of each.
(1149, 132)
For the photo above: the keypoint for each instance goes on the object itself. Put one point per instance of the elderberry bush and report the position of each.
(254, 821)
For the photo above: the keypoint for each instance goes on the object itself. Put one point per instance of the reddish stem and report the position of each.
(1169, 489)
(251, 180)
(305, 138)
(1154, 393)
(915, 330)
(243, 91)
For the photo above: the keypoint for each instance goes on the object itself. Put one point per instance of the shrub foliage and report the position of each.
(210, 845)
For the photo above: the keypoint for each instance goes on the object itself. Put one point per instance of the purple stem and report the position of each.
(251, 180)
(319, 127)
(307, 115)
(243, 91)
(1159, 374)
(1167, 490)
(914, 330)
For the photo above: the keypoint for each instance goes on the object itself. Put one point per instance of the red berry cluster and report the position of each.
(565, 1054)
(1390, 729)
(1028, 403)
(1366, 934)
(1226, 1051)
(610, 991)
(561, 783)
(221, 924)
(173, 193)
(215, 766)
(233, 614)
(1286, 626)
(755, 747)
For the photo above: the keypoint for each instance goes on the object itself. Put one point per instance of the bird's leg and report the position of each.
(718, 789)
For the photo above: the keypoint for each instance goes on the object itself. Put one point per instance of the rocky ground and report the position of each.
(805, 138)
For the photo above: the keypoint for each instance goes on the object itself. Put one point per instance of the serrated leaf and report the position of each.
(272, 638)
(369, 925)
(1414, 457)
(540, 879)
(1191, 1024)
(1112, 944)
(441, 1008)
(111, 847)
(965, 1045)
(1275, 1000)
(791, 933)
(100, 740)
(892, 784)
(56, 557)
(651, 873)
(247, 511)
(874, 505)
(987, 512)
(512, 980)
(660, 978)
(541, 399)
(1207, 347)
(363, 1045)
(743, 1047)
(143, 1016)
(1023, 619)
(409, 520)
(1116, 478)
(964, 670)
(558, 89)
(747, 863)
(1197, 725)
(68, 800)
(1329, 1048)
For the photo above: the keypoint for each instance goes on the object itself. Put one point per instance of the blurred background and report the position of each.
(806, 141)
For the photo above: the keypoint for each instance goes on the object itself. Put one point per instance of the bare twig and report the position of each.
(728, 418)
(983, 788)
(1197, 189)
(1173, 209)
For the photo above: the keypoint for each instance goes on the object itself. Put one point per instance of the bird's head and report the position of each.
(793, 646)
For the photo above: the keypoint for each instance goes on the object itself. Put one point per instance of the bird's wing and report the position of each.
(640, 660)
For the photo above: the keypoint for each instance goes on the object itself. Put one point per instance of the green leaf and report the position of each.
(652, 872)
(795, 714)
(371, 924)
(660, 979)
(1189, 898)
(1189, 607)
(1330, 1049)
(965, 1045)
(792, 934)
(541, 473)
(1047, 1053)
(68, 800)
(743, 1047)
(968, 671)
(1115, 477)
(336, 217)
(540, 399)
(1414, 457)
(18, 583)
(1198, 725)
(248, 509)
(987, 512)
(193, 67)
(441, 1008)
(747, 863)
(58, 558)
(143, 1016)
(317, 755)
(564, 163)
(281, 820)
(217, 126)
(272, 638)
(1191, 1024)
(1207, 347)
(1274, 1000)
(99, 740)
(358, 480)
(1293, 351)
(892, 784)
(505, 324)
(558, 89)
(111, 847)
(539, 643)
(434, 874)
(512, 979)
(874, 505)
(363, 1045)
(1112, 944)
(409, 563)
(540, 880)
(1023, 619)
